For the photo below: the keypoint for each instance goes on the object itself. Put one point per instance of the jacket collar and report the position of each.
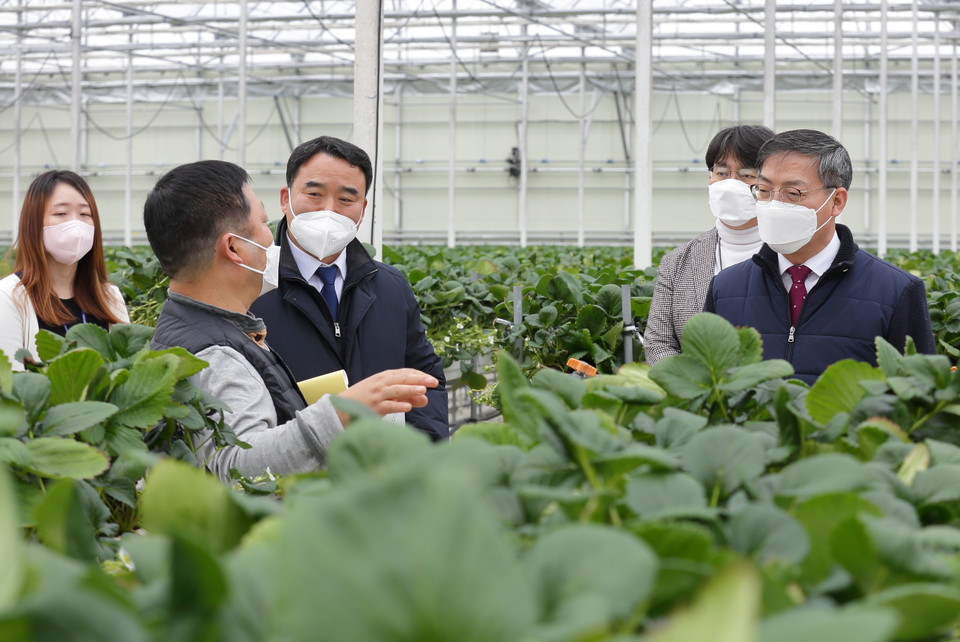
(359, 261)
(767, 258)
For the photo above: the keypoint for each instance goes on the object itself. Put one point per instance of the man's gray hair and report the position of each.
(835, 168)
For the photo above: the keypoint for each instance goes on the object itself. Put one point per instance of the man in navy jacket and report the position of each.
(813, 295)
(335, 307)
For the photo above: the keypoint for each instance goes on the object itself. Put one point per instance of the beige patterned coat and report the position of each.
(682, 281)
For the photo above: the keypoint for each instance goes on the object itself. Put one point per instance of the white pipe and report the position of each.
(914, 128)
(954, 146)
(75, 87)
(770, 64)
(452, 160)
(242, 85)
(838, 69)
(581, 158)
(17, 125)
(935, 187)
(643, 175)
(368, 109)
(882, 136)
(522, 139)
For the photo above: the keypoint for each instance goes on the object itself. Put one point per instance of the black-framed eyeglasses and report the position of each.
(789, 195)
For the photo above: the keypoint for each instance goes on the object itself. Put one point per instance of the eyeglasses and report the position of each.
(746, 175)
(789, 195)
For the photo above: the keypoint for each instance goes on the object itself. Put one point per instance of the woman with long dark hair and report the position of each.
(60, 278)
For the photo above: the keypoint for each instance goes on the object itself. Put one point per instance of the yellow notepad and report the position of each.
(328, 384)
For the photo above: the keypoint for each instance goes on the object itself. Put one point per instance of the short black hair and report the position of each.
(331, 147)
(742, 142)
(190, 207)
(834, 167)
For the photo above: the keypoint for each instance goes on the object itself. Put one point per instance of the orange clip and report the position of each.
(582, 367)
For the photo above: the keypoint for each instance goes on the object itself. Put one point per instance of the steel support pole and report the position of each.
(935, 187)
(914, 126)
(242, 85)
(643, 160)
(522, 136)
(17, 126)
(770, 64)
(452, 143)
(368, 109)
(128, 177)
(882, 135)
(954, 146)
(838, 69)
(75, 85)
(581, 155)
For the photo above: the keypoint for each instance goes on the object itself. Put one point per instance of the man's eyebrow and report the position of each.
(795, 181)
(350, 190)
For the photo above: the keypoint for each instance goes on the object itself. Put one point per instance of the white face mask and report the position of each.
(271, 270)
(68, 242)
(787, 228)
(732, 202)
(322, 233)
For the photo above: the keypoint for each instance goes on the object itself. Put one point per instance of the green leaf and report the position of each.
(592, 319)
(751, 375)
(591, 560)
(13, 452)
(820, 517)
(58, 457)
(568, 387)
(12, 563)
(568, 288)
(70, 418)
(185, 501)
(62, 523)
(682, 376)
(510, 383)
(823, 474)
(924, 609)
(726, 610)
(713, 341)
(609, 298)
(633, 456)
(127, 339)
(767, 534)
(71, 374)
(49, 345)
(12, 416)
(824, 624)
(392, 552)
(724, 457)
(6, 374)
(838, 389)
(666, 495)
(33, 391)
(198, 588)
(145, 396)
(370, 445)
(88, 335)
(548, 315)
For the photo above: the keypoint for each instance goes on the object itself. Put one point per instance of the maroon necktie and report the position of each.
(798, 291)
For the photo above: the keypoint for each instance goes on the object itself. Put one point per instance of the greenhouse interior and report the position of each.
(491, 122)
(480, 320)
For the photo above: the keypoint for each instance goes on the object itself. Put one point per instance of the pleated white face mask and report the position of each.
(68, 242)
(271, 269)
(324, 232)
(732, 202)
(787, 228)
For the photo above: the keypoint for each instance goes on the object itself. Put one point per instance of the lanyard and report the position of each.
(83, 319)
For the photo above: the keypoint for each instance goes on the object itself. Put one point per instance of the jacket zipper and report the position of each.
(336, 329)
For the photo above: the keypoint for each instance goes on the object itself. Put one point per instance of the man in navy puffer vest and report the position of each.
(811, 293)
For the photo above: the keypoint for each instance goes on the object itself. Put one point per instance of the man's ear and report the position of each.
(839, 201)
(285, 202)
(227, 247)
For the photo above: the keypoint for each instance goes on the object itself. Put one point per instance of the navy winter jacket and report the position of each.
(379, 322)
(858, 299)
